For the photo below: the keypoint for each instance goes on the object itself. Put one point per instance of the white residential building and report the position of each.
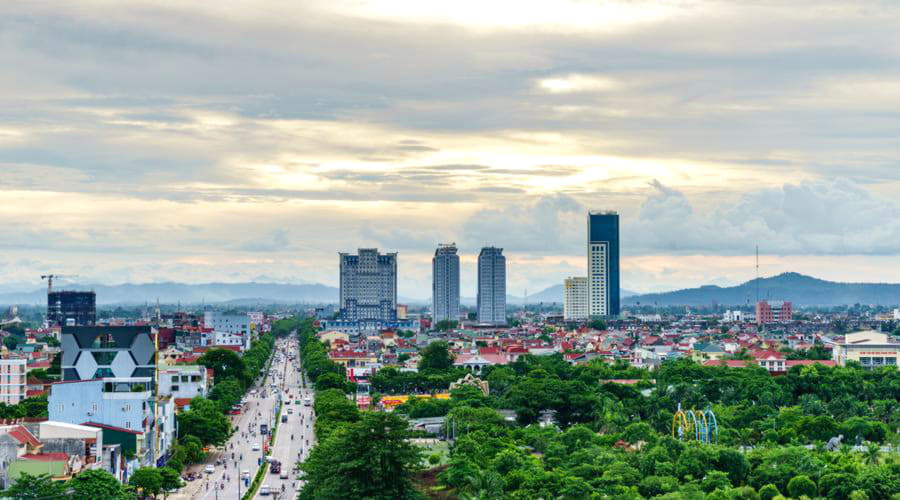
(733, 317)
(491, 286)
(575, 299)
(183, 381)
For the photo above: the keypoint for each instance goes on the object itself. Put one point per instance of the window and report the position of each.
(128, 424)
(127, 407)
(60, 407)
(175, 388)
(93, 407)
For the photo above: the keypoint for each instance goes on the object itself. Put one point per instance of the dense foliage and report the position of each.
(29, 407)
(614, 440)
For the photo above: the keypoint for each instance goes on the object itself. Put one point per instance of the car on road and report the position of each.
(265, 490)
(284, 418)
(307, 401)
(284, 474)
(255, 447)
(245, 474)
(209, 469)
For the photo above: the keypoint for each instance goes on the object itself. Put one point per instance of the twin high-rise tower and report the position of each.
(445, 283)
(491, 286)
(491, 301)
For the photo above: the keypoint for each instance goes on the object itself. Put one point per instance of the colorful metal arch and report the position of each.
(695, 425)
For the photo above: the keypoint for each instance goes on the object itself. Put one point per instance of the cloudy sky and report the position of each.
(249, 139)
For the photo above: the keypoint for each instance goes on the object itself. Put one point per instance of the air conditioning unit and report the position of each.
(89, 414)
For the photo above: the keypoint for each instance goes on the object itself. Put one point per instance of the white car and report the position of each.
(209, 469)
(255, 447)
(264, 490)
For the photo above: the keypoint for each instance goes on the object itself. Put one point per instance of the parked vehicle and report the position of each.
(209, 469)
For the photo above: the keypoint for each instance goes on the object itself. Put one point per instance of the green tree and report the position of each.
(227, 393)
(597, 324)
(36, 487)
(171, 480)
(371, 458)
(331, 381)
(768, 492)
(97, 484)
(445, 325)
(205, 421)
(436, 357)
(147, 480)
(800, 486)
(225, 364)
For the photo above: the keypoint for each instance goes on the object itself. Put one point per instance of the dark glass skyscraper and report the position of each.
(68, 308)
(603, 264)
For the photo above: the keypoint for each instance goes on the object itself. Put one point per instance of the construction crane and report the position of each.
(49, 278)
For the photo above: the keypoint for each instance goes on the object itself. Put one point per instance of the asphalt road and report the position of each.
(225, 482)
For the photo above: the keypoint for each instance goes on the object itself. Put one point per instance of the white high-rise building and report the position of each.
(445, 283)
(492, 286)
(575, 299)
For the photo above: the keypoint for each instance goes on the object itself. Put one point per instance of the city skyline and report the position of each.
(213, 131)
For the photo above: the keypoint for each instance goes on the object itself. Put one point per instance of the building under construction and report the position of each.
(69, 308)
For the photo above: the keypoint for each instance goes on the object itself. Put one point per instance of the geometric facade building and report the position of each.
(603, 264)
(445, 284)
(93, 352)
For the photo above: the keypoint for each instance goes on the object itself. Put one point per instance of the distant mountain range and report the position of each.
(550, 295)
(170, 293)
(797, 288)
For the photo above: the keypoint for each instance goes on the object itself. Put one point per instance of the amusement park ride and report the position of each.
(695, 425)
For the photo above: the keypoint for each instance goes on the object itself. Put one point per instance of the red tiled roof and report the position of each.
(349, 354)
(30, 393)
(22, 435)
(806, 362)
(48, 457)
(182, 402)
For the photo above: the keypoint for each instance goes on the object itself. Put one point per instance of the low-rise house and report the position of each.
(183, 381)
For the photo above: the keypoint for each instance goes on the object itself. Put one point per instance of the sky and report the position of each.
(244, 140)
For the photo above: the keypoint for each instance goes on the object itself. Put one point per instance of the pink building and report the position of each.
(773, 311)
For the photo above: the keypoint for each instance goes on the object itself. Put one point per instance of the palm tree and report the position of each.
(871, 454)
(483, 485)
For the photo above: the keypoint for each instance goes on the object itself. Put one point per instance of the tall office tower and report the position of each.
(445, 283)
(575, 299)
(369, 286)
(603, 264)
(68, 308)
(491, 286)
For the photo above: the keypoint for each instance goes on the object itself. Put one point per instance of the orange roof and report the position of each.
(182, 402)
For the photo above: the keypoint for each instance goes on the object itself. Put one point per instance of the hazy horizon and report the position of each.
(164, 141)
